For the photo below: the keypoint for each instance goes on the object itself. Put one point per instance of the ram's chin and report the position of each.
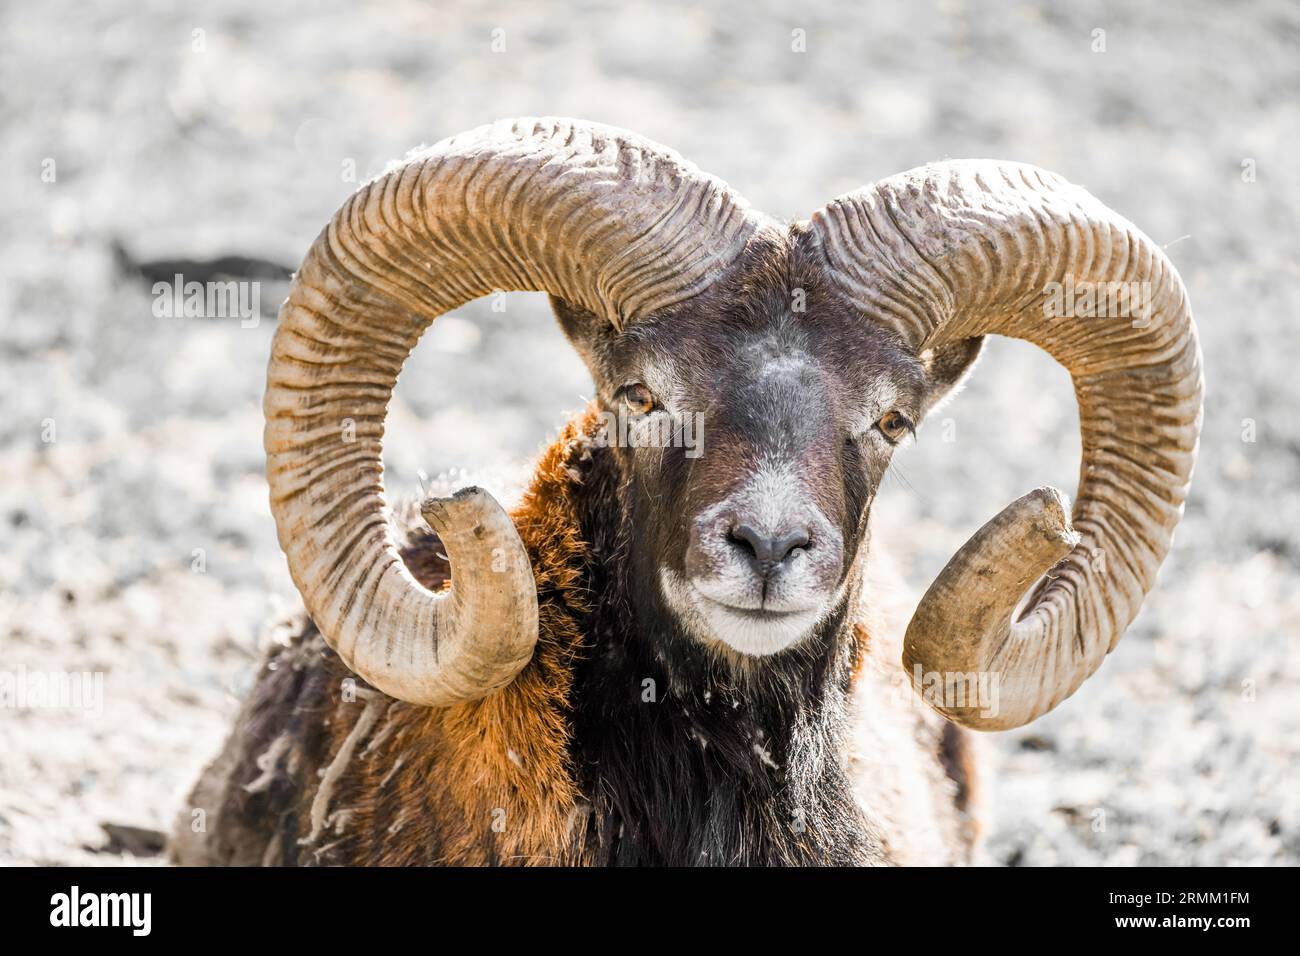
(753, 633)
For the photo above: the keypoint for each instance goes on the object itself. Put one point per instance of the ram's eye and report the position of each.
(638, 399)
(894, 426)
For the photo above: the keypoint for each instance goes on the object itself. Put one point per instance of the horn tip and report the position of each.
(1049, 511)
(440, 506)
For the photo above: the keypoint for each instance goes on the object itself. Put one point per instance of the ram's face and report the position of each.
(756, 426)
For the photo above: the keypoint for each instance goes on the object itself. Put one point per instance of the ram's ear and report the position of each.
(946, 369)
(586, 331)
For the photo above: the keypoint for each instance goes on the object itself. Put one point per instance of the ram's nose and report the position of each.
(767, 551)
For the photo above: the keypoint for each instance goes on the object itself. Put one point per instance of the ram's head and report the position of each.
(759, 376)
(756, 421)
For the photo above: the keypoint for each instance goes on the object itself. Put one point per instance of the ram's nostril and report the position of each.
(784, 547)
(746, 539)
(768, 550)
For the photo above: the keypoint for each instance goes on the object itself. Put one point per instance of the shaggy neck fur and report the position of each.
(689, 754)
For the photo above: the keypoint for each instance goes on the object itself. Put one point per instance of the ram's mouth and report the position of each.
(755, 631)
(759, 615)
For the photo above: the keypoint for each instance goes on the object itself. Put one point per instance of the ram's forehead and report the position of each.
(840, 362)
(773, 321)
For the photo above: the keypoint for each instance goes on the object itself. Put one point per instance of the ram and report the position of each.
(672, 652)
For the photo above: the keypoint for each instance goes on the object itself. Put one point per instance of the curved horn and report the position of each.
(596, 216)
(958, 249)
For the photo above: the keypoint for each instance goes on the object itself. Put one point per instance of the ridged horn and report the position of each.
(599, 217)
(965, 248)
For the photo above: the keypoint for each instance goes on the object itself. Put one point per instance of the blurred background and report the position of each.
(135, 537)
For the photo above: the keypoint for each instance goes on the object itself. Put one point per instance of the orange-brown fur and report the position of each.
(499, 762)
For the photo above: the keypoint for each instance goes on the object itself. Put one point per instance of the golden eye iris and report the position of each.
(894, 425)
(638, 399)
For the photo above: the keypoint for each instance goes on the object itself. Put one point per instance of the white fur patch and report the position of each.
(725, 598)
